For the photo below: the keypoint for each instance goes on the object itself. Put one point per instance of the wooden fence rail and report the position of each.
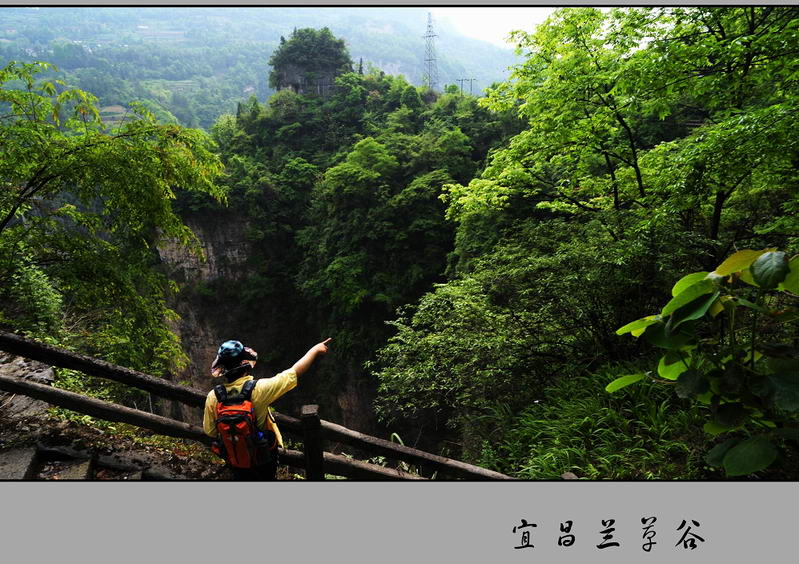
(55, 356)
(103, 409)
(326, 430)
(333, 464)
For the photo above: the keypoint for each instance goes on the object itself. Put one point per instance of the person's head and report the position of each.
(233, 360)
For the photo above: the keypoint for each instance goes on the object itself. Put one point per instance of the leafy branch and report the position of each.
(749, 382)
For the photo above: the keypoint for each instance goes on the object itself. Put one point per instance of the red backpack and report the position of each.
(240, 442)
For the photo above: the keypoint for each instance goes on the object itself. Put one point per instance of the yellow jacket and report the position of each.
(266, 392)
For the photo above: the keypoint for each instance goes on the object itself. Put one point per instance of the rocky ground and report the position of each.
(166, 458)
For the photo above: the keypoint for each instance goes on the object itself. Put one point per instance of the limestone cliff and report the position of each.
(206, 318)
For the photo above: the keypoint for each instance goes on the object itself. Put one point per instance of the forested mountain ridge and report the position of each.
(479, 262)
(191, 64)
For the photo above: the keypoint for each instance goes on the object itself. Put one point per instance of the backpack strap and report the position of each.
(220, 392)
(247, 388)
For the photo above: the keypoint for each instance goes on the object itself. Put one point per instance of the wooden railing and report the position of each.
(309, 428)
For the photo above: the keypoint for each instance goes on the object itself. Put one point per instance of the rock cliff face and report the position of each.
(206, 318)
(301, 81)
(222, 238)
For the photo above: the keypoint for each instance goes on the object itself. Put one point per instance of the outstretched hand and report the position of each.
(302, 365)
(321, 348)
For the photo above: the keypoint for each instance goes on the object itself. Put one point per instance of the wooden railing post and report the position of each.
(312, 436)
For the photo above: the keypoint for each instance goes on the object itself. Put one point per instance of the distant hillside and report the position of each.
(221, 53)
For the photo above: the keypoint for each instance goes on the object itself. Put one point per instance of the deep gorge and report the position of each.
(207, 320)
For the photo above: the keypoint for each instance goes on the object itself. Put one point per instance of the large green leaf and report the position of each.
(688, 295)
(706, 398)
(659, 336)
(739, 261)
(751, 455)
(746, 276)
(715, 456)
(687, 281)
(638, 326)
(786, 393)
(715, 428)
(619, 383)
(672, 371)
(785, 380)
(770, 269)
(791, 282)
(693, 310)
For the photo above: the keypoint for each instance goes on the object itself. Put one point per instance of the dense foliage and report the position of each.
(81, 210)
(307, 57)
(657, 141)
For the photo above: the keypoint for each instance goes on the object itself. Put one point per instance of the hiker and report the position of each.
(249, 447)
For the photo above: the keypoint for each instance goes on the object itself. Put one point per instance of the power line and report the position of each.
(469, 80)
(431, 73)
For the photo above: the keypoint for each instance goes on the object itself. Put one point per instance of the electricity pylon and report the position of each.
(431, 68)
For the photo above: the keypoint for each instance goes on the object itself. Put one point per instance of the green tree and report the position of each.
(411, 98)
(729, 176)
(81, 212)
(308, 58)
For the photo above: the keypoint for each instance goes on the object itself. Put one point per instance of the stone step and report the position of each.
(50, 462)
(78, 470)
(18, 463)
(116, 466)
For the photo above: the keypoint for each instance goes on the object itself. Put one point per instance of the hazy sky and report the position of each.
(491, 24)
